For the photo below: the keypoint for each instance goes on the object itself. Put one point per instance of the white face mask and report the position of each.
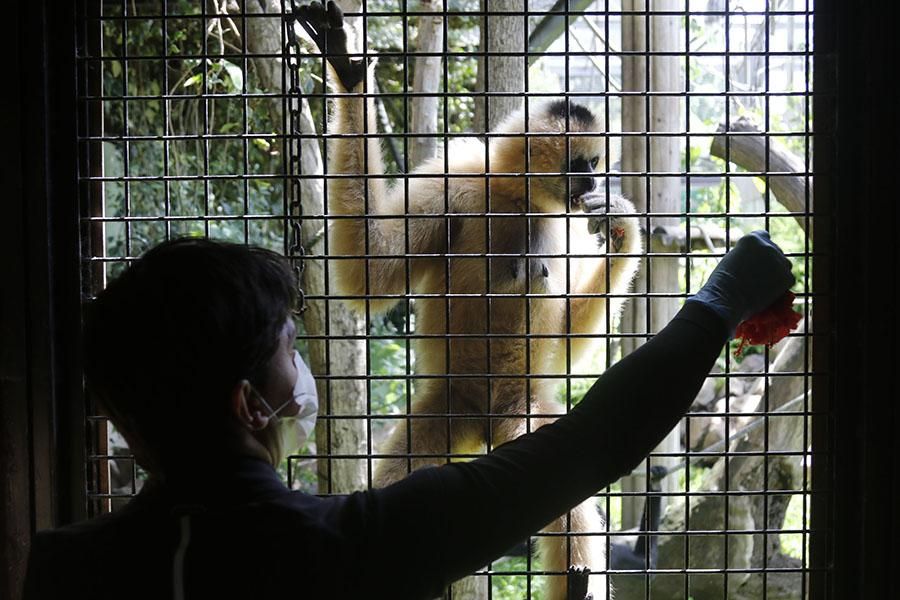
(295, 429)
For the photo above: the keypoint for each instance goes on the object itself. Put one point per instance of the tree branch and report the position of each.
(784, 169)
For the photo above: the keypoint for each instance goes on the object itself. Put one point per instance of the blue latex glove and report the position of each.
(753, 275)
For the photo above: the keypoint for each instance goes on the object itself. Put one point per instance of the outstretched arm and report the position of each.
(466, 514)
(451, 520)
(369, 214)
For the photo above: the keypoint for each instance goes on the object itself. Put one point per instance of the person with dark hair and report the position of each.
(191, 354)
(175, 334)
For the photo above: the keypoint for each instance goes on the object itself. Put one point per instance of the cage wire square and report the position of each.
(218, 123)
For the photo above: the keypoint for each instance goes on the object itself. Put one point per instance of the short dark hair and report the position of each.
(168, 339)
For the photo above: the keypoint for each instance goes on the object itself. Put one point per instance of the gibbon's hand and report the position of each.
(604, 209)
(753, 275)
(326, 28)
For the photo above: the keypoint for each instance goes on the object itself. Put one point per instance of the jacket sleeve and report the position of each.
(446, 522)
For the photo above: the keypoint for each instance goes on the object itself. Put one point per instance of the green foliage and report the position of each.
(576, 389)
(387, 357)
(215, 139)
(696, 478)
(513, 586)
(796, 545)
(395, 72)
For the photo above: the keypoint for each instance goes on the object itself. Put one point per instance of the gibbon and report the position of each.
(513, 263)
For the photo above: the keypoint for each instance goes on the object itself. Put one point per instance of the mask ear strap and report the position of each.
(272, 413)
(248, 411)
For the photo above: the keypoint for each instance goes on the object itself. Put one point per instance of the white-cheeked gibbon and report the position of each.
(513, 264)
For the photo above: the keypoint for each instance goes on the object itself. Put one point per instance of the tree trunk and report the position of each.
(791, 187)
(660, 275)
(341, 353)
(634, 155)
(426, 80)
(334, 356)
(500, 33)
(470, 588)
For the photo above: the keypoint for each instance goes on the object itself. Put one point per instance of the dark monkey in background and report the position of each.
(470, 336)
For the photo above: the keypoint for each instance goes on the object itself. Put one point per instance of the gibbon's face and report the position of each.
(582, 179)
(580, 162)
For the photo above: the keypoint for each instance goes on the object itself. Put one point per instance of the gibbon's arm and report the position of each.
(382, 230)
(382, 237)
(449, 521)
(620, 262)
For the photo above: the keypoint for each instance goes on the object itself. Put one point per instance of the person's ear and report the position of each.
(247, 406)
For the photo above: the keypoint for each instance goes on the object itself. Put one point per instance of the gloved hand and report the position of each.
(753, 275)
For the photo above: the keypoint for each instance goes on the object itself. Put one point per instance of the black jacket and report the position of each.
(236, 531)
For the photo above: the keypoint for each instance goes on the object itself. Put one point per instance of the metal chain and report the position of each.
(296, 250)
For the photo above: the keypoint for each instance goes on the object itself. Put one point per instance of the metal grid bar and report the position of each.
(130, 221)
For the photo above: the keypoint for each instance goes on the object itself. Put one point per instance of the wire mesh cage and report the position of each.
(514, 196)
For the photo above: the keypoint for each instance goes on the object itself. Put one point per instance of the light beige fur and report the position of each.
(442, 255)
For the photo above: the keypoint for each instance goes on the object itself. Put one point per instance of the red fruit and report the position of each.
(769, 326)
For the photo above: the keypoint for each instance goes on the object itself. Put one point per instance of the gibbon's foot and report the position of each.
(602, 209)
(577, 579)
(325, 25)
